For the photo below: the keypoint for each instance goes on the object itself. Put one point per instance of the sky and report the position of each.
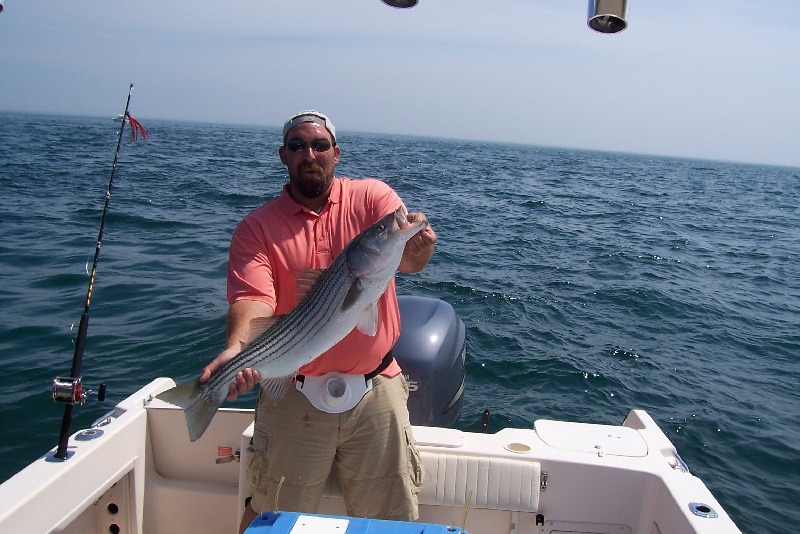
(705, 79)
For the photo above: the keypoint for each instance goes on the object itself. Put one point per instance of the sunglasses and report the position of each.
(298, 145)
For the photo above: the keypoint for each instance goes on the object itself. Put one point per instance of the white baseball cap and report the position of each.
(309, 115)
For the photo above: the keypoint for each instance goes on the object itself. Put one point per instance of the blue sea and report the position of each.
(590, 283)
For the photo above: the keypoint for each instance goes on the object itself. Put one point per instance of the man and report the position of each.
(295, 445)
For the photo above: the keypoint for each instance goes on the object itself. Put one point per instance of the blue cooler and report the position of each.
(295, 523)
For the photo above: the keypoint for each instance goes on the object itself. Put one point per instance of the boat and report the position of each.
(135, 470)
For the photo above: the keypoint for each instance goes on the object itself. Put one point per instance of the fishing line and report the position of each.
(70, 390)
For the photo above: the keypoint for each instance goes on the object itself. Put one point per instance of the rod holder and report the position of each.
(608, 16)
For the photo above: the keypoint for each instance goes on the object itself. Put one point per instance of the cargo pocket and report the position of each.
(257, 462)
(416, 469)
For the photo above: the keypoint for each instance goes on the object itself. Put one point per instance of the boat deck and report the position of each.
(136, 471)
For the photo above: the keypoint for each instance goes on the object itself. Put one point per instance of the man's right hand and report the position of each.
(246, 379)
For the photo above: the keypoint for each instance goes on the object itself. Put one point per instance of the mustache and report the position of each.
(312, 167)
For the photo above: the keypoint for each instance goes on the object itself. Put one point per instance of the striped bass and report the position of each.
(343, 297)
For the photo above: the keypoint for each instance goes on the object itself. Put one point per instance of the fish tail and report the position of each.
(198, 409)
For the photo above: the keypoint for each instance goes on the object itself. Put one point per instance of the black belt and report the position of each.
(385, 363)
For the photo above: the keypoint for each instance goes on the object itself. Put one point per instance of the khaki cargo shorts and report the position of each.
(370, 448)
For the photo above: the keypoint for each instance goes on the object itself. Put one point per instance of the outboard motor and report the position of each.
(431, 351)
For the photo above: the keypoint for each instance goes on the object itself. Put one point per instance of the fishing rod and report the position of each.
(70, 390)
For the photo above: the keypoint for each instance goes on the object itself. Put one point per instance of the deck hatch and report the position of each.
(596, 439)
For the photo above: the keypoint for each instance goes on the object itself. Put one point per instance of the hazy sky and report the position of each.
(710, 79)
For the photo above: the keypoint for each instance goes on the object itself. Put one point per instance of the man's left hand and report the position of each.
(420, 247)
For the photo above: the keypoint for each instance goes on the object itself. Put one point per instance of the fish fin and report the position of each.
(259, 325)
(198, 409)
(306, 280)
(368, 320)
(352, 296)
(276, 388)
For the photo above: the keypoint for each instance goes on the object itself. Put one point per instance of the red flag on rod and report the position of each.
(136, 129)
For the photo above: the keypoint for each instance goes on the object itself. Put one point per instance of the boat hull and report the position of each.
(136, 471)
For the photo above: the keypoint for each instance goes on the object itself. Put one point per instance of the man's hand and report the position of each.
(246, 379)
(419, 248)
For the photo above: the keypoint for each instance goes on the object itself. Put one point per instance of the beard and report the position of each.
(311, 186)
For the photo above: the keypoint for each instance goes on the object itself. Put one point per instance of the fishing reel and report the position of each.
(70, 390)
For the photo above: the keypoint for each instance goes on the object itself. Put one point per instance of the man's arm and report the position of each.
(237, 322)
(419, 249)
(237, 325)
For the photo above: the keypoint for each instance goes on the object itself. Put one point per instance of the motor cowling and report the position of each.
(431, 350)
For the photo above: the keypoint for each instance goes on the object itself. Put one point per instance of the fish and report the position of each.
(343, 297)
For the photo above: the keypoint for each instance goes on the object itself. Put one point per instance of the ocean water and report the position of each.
(590, 283)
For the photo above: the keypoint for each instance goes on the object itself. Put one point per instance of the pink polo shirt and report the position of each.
(281, 238)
